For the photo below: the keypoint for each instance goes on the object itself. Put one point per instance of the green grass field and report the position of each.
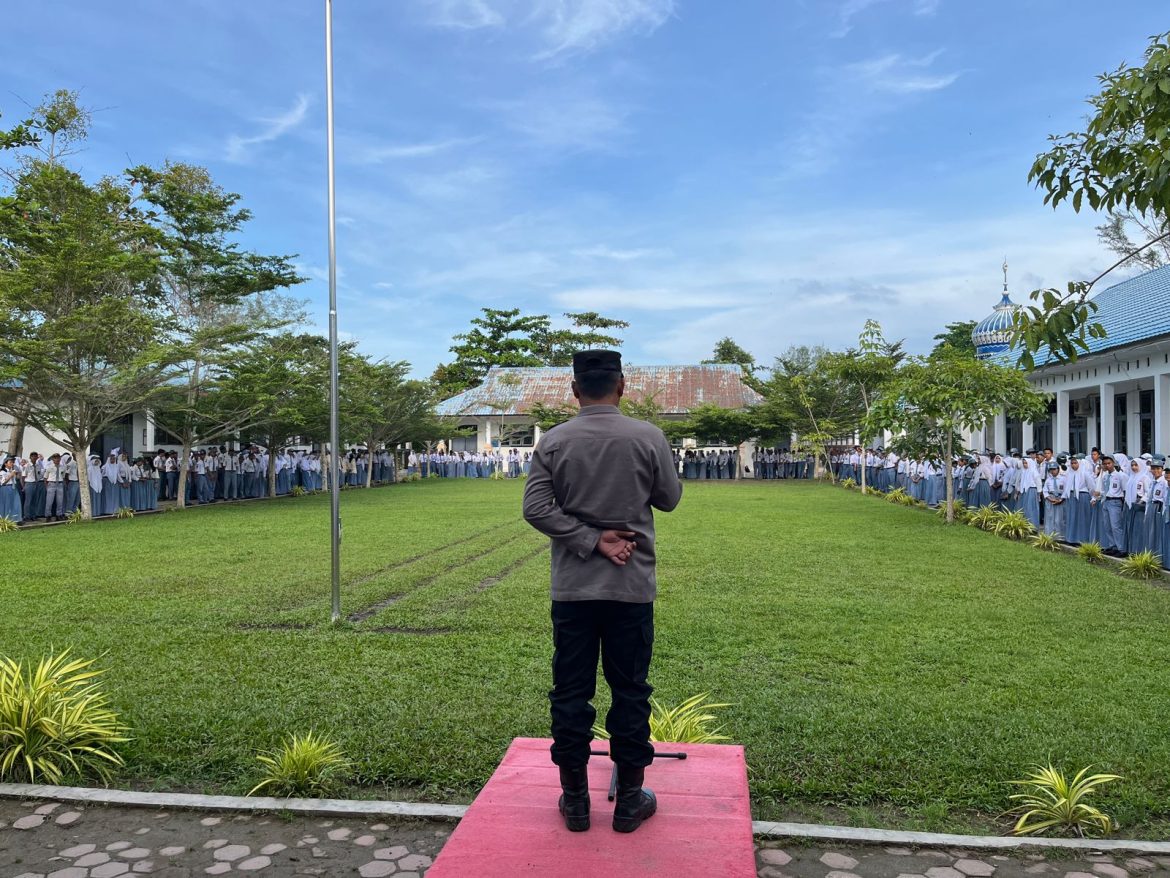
(884, 669)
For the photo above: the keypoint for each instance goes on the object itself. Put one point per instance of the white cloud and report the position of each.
(562, 27)
(849, 10)
(926, 7)
(573, 26)
(239, 148)
(897, 74)
(378, 153)
(466, 14)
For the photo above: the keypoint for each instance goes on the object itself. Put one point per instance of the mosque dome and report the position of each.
(993, 334)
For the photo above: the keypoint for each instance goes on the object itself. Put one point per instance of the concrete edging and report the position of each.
(198, 802)
(437, 811)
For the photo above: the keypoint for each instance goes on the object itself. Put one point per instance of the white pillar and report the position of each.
(1027, 436)
(1133, 427)
(1107, 441)
(536, 434)
(999, 443)
(1161, 413)
(1060, 424)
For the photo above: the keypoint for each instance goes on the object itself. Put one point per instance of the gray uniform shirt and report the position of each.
(600, 471)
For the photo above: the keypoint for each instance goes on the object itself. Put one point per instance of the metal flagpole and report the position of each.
(334, 429)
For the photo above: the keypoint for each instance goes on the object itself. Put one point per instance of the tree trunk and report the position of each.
(184, 474)
(369, 464)
(83, 482)
(271, 472)
(950, 477)
(16, 438)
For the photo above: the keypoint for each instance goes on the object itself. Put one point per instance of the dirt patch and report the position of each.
(274, 626)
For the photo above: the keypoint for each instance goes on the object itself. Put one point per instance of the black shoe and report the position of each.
(634, 802)
(574, 804)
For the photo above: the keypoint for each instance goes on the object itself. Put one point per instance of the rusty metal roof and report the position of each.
(676, 389)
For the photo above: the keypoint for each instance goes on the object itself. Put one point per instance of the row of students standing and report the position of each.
(469, 464)
(773, 463)
(708, 465)
(49, 488)
(1120, 503)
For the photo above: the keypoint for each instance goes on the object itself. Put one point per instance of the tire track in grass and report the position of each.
(373, 609)
(465, 598)
(394, 566)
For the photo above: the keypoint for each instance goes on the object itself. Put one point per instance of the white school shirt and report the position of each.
(1113, 485)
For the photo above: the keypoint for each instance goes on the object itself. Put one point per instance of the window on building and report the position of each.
(1146, 421)
(1015, 436)
(1120, 422)
(518, 435)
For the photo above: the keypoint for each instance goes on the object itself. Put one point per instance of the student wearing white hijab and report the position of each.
(1080, 492)
(110, 496)
(124, 473)
(1055, 486)
(10, 506)
(1135, 506)
(1029, 487)
(94, 475)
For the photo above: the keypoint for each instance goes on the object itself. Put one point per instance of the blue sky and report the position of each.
(773, 170)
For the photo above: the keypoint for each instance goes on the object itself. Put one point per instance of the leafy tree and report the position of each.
(943, 394)
(1120, 162)
(806, 394)
(381, 407)
(866, 370)
(52, 132)
(81, 323)
(587, 329)
(548, 416)
(284, 378)
(509, 338)
(727, 351)
(957, 337)
(214, 298)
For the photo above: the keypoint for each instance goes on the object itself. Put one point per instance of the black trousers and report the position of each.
(623, 633)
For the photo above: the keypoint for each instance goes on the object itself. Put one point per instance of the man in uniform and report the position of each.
(594, 483)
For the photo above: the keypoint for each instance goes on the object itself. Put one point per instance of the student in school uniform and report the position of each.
(1113, 493)
(1029, 487)
(54, 488)
(70, 475)
(138, 486)
(110, 494)
(32, 474)
(10, 505)
(1157, 497)
(1079, 487)
(124, 481)
(1055, 487)
(95, 479)
(1135, 506)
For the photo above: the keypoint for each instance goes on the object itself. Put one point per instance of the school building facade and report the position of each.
(1115, 397)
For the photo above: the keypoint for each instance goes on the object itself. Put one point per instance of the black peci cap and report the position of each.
(597, 361)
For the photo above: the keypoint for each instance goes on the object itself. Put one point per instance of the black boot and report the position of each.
(634, 802)
(574, 802)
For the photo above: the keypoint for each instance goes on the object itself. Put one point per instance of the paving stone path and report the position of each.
(53, 840)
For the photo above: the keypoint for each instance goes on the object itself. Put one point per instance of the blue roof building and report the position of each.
(1116, 396)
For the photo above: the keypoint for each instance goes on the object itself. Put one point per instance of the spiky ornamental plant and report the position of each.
(307, 764)
(1052, 801)
(687, 723)
(1142, 565)
(55, 719)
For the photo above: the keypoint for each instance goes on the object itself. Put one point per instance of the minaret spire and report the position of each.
(1005, 276)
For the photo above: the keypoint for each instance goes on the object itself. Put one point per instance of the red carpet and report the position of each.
(703, 825)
